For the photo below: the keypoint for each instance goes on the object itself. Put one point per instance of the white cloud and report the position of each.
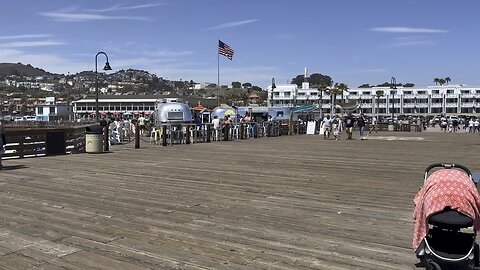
(168, 53)
(120, 7)
(25, 36)
(399, 44)
(81, 17)
(231, 24)
(41, 43)
(408, 30)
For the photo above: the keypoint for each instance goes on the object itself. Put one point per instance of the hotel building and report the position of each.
(450, 99)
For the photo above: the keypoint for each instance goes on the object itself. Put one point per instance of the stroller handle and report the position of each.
(447, 166)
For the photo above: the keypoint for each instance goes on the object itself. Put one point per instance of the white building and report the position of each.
(50, 111)
(451, 99)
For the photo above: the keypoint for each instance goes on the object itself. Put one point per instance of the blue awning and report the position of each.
(305, 108)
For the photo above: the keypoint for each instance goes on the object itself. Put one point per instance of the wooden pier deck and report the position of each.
(290, 202)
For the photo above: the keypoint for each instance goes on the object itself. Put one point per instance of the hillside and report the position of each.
(20, 69)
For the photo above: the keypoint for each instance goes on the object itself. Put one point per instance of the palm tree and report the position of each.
(321, 88)
(379, 94)
(334, 91)
(447, 80)
(343, 87)
(436, 80)
(441, 81)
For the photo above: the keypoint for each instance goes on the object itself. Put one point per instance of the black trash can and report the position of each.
(55, 143)
(94, 139)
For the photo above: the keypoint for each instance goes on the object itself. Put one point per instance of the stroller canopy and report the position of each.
(445, 188)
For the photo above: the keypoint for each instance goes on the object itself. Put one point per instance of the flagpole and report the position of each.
(218, 76)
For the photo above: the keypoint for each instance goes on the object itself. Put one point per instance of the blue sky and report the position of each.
(353, 41)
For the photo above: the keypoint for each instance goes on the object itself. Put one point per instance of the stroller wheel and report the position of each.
(433, 265)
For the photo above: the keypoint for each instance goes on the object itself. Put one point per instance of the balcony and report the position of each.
(437, 105)
(469, 95)
(451, 105)
(467, 104)
(437, 95)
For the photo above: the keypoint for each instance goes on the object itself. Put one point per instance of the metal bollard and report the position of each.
(164, 138)
(208, 133)
(106, 142)
(137, 136)
(187, 135)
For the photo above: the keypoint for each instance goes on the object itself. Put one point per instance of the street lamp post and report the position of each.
(393, 86)
(271, 94)
(107, 67)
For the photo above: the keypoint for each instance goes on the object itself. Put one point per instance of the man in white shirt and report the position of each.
(216, 126)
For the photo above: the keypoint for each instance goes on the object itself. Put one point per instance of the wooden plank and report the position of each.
(288, 202)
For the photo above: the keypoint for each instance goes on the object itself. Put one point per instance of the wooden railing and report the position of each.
(35, 142)
(190, 133)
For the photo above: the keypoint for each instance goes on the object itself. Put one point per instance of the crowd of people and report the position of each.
(336, 124)
(467, 125)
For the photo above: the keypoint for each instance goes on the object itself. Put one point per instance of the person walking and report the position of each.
(336, 127)
(216, 127)
(327, 127)
(470, 125)
(349, 122)
(374, 125)
(2, 142)
(361, 126)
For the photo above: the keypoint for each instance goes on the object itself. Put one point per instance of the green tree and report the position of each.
(318, 79)
(247, 85)
(342, 88)
(365, 85)
(256, 88)
(334, 91)
(436, 80)
(236, 85)
(298, 80)
(379, 94)
(322, 88)
(447, 80)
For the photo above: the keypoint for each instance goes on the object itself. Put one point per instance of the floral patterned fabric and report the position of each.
(445, 187)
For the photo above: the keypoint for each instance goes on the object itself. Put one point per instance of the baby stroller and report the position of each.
(450, 238)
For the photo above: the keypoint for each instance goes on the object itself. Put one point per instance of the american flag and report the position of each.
(225, 50)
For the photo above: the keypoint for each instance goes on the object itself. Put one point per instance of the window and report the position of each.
(52, 110)
(421, 92)
(407, 92)
(353, 93)
(175, 115)
(366, 93)
(40, 110)
(450, 91)
(435, 91)
(465, 91)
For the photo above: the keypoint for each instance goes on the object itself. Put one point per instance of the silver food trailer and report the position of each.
(221, 112)
(172, 113)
